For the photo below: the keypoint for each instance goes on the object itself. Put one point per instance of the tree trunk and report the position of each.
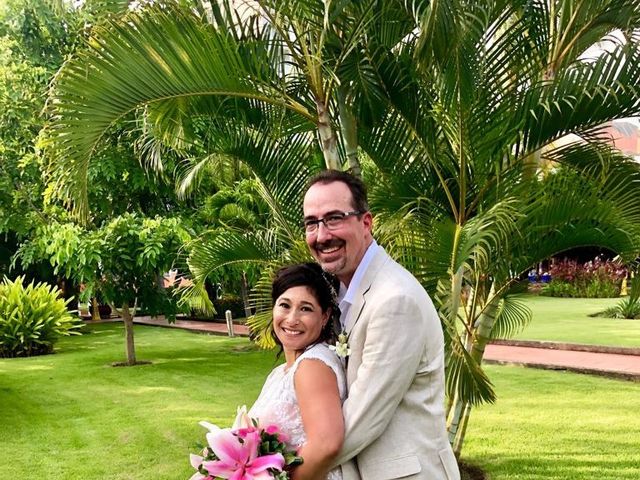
(485, 326)
(95, 313)
(128, 330)
(462, 429)
(328, 140)
(349, 133)
(244, 291)
(457, 405)
(461, 411)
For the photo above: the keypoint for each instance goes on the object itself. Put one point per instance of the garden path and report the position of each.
(534, 354)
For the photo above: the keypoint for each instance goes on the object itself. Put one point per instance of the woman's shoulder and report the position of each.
(322, 352)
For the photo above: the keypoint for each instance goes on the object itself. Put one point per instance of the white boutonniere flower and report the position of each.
(341, 347)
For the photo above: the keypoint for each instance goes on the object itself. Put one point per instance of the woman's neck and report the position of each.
(290, 357)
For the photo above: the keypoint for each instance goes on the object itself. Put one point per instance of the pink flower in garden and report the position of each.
(239, 458)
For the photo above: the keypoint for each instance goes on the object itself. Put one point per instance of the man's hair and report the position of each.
(356, 186)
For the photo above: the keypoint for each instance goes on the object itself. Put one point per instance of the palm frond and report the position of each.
(585, 95)
(158, 53)
(513, 316)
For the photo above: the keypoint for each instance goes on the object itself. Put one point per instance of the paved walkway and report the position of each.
(596, 363)
(214, 328)
(545, 355)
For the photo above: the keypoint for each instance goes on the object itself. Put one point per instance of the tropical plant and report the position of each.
(303, 66)
(627, 307)
(458, 106)
(32, 318)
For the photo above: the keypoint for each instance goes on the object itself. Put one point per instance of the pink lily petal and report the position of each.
(239, 475)
(196, 460)
(242, 419)
(210, 426)
(227, 447)
(216, 468)
(261, 464)
(197, 476)
(251, 445)
(243, 432)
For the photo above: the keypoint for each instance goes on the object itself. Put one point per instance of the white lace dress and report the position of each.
(277, 403)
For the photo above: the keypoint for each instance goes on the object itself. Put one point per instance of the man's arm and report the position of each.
(394, 346)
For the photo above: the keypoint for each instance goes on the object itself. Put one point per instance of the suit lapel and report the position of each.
(360, 298)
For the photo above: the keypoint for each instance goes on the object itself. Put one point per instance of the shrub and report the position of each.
(628, 307)
(32, 318)
(229, 302)
(593, 279)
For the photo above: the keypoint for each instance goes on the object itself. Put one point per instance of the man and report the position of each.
(394, 412)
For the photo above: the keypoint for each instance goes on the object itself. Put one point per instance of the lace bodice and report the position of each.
(277, 403)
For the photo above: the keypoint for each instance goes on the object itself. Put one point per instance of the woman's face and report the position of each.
(298, 318)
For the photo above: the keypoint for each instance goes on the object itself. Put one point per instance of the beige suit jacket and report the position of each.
(394, 412)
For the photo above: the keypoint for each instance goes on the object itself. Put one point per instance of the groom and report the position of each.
(394, 413)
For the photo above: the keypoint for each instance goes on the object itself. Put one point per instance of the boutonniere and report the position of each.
(341, 347)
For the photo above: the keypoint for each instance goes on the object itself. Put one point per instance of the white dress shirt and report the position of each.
(346, 294)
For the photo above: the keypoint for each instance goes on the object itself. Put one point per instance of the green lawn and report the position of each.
(72, 416)
(568, 320)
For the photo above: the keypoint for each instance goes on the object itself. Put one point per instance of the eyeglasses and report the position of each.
(331, 222)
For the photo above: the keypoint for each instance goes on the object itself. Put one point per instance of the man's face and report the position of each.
(338, 251)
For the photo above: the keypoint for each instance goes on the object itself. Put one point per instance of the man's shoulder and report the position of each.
(388, 266)
(393, 278)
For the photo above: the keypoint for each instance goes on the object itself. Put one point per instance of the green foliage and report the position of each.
(592, 289)
(593, 279)
(457, 107)
(32, 318)
(229, 302)
(628, 307)
(122, 262)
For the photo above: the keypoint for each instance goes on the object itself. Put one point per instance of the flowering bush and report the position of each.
(593, 279)
(245, 451)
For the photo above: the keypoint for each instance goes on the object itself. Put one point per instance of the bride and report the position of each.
(304, 395)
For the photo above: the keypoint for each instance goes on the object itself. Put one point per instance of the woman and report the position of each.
(304, 395)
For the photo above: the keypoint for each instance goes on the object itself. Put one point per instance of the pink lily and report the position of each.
(243, 420)
(240, 461)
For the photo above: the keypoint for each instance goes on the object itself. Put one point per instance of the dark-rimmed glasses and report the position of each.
(332, 221)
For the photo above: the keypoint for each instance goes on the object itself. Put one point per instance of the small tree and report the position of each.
(123, 262)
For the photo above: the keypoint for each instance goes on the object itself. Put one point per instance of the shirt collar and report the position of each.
(346, 294)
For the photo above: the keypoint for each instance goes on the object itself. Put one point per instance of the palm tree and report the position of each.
(453, 105)
(494, 85)
(303, 64)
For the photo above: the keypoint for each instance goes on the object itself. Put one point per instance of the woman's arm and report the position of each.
(321, 410)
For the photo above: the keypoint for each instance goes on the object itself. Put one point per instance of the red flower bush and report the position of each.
(592, 279)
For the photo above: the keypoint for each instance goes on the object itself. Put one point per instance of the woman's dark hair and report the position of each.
(323, 285)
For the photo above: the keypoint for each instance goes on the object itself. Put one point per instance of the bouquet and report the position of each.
(246, 451)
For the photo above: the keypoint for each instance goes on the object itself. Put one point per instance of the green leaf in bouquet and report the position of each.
(292, 460)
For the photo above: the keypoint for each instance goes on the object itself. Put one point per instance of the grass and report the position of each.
(556, 425)
(568, 320)
(72, 416)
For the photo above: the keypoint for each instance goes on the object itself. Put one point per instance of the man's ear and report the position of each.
(367, 219)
